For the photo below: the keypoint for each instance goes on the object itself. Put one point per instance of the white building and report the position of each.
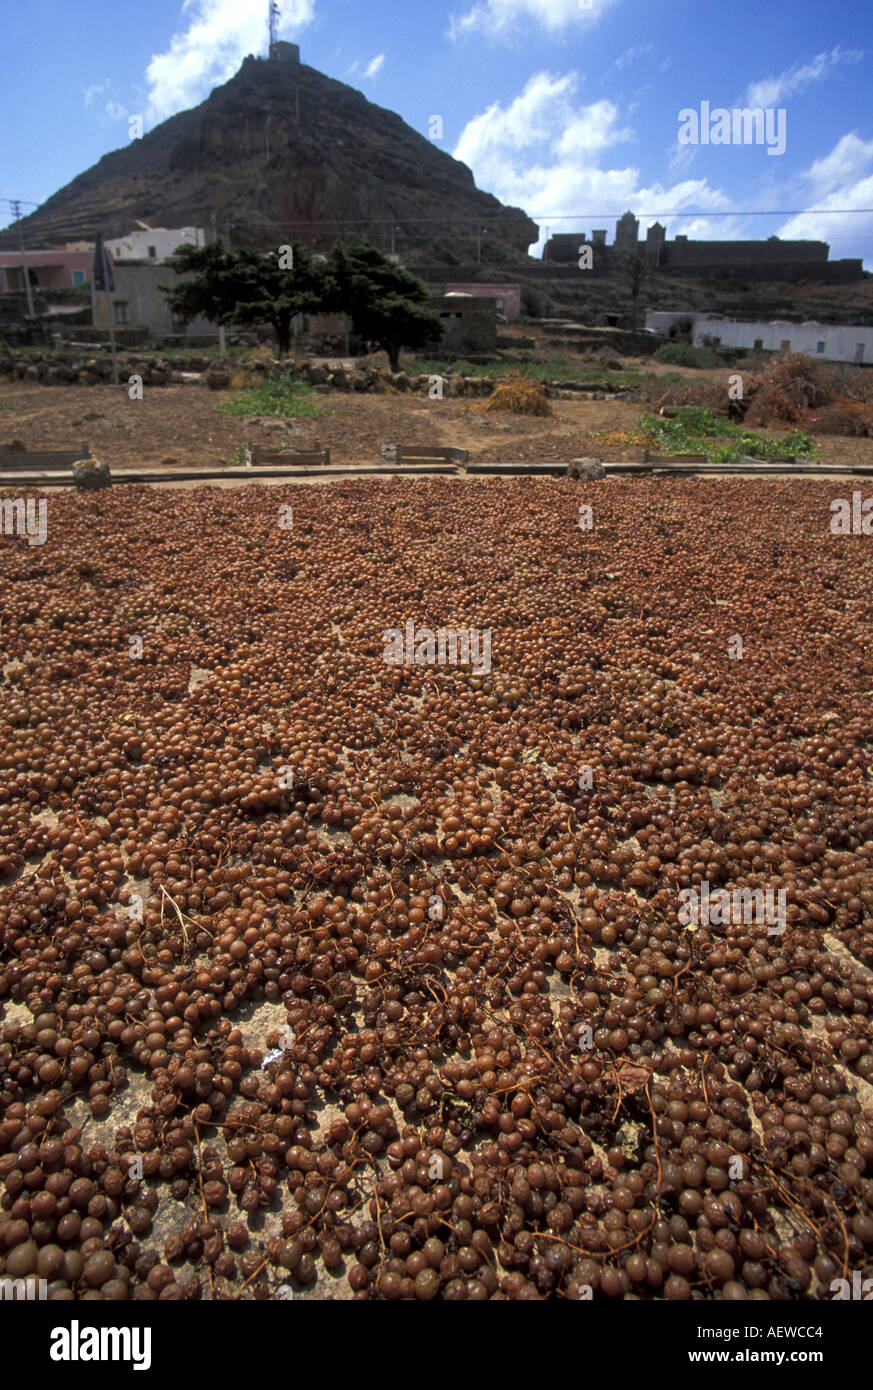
(153, 244)
(835, 342)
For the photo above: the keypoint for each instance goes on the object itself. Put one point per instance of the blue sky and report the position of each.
(567, 108)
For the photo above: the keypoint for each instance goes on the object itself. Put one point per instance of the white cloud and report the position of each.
(631, 55)
(500, 18)
(840, 168)
(91, 92)
(115, 111)
(376, 66)
(546, 153)
(838, 182)
(209, 50)
(771, 90)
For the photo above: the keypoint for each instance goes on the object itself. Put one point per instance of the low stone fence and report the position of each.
(67, 369)
(49, 369)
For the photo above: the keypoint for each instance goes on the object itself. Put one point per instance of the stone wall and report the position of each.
(772, 259)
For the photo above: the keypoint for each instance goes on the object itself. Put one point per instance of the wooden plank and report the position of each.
(41, 460)
(788, 458)
(418, 453)
(511, 470)
(257, 456)
(646, 457)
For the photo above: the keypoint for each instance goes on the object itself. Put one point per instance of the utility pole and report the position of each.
(16, 208)
(274, 22)
(222, 346)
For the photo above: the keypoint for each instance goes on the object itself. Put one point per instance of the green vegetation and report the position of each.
(275, 395)
(426, 366)
(556, 368)
(386, 303)
(694, 428)
(214, 353)
(684, 355)
(246, 287)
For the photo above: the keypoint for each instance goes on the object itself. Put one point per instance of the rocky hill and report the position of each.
(282, 150)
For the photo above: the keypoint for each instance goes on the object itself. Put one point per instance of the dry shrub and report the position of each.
(602, 357)
(710, 394)
(788, 387)
(771, 406)
(243, 380)
(854, 419)
(792, 389)
(520, 397)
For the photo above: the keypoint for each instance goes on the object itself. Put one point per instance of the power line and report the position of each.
(497, 219)
(730, 212)
(15, 204)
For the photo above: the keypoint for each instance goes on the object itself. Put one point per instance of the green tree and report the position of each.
(387, 304)
(246, 287)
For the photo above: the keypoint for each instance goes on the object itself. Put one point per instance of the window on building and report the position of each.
(120, 312)
(500, 309)
(819, 347)
(786, 344)
(33, 277)
(78, 277)
(152, 253)
(759, 344)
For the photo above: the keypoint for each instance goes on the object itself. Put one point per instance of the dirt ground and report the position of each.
(180, 426)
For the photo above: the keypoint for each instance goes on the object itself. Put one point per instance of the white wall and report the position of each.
(841, 341)
(135, 246)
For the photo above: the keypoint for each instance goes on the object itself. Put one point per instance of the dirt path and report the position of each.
(180, 425)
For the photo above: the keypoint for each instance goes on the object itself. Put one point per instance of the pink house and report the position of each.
(508, 297)
(47, 269)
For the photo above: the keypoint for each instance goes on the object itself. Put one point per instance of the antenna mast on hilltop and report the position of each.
(274, 21)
